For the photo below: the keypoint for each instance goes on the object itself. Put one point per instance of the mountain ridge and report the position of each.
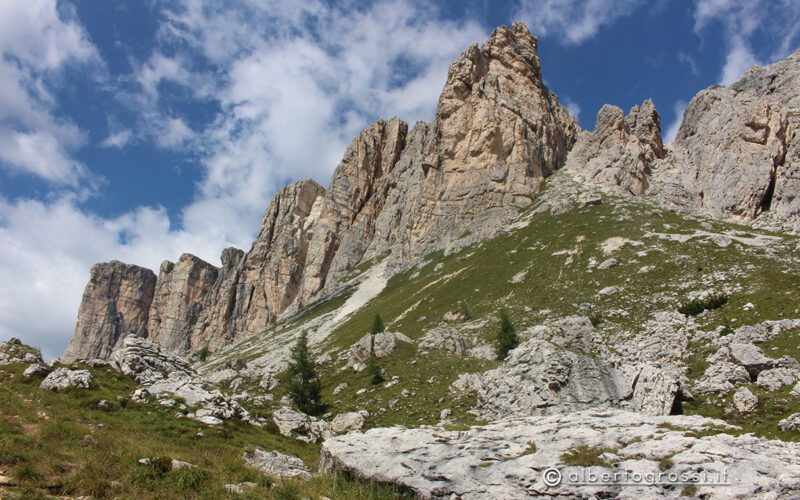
(498, 133)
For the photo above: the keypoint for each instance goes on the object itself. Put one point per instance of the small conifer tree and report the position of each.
(377, 325)
(303, 381)
(374, 370)
(506, 337)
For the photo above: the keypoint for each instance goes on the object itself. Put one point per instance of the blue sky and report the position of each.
(139, 130)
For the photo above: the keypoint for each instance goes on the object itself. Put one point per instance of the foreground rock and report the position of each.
(507, 459)
(63, 378)
(277, 465)
(166, 375)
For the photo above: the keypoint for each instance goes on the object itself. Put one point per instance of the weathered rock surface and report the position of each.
(35, 369)
(180, 297)
(790, 423)
(166, 375)
(379, 345)
(620, 152)
(277, 465)
(63, 378)
(14, 351)
(744, 400)
(736, 155)
(347, 421)
(507, 459)
(292, 423)
(116, 302)
(445, 339)
(539, 378)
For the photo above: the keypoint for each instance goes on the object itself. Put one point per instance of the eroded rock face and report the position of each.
(498, 460)
(498, 132)
(620, 152)
(538, 378)
(116, 302)
(180, 297)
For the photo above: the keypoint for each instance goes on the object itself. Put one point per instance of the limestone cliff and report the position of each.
(115, 303)
(736, 155)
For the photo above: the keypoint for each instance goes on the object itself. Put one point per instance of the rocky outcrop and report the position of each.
(63, 378)
(528, 457)
(116, 303)
(14, 351)
(168, 376)
(621, 151)
(292, 423)
(736, 155)
(538, 378)
(497, 134)
(276, 464)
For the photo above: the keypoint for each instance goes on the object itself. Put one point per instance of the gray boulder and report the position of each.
(445, 339)
(292, 423)
(774, 379)
(790, 423)
(163, 374)
(277, 465)
(721, 377)
(744, 400)
(347, 421)
(35, 369)
(63, 378)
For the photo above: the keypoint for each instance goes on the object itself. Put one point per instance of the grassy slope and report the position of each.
(43, 443)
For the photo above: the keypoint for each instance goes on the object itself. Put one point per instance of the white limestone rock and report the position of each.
(277, 465)
(292, 423)
(744, 400)
(508, 458)
(63, 378)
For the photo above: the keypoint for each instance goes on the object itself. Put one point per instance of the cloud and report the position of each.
(118, 139)
(754, 31)
(572, 21)
(571, 106)
(685, 58)
(672, 130)
(38, 41)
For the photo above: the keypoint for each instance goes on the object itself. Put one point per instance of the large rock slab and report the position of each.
(508, 458)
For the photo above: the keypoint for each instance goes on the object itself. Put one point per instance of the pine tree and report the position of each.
(506, 337)
(374, 370)
(377, 325)
(303, 381)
